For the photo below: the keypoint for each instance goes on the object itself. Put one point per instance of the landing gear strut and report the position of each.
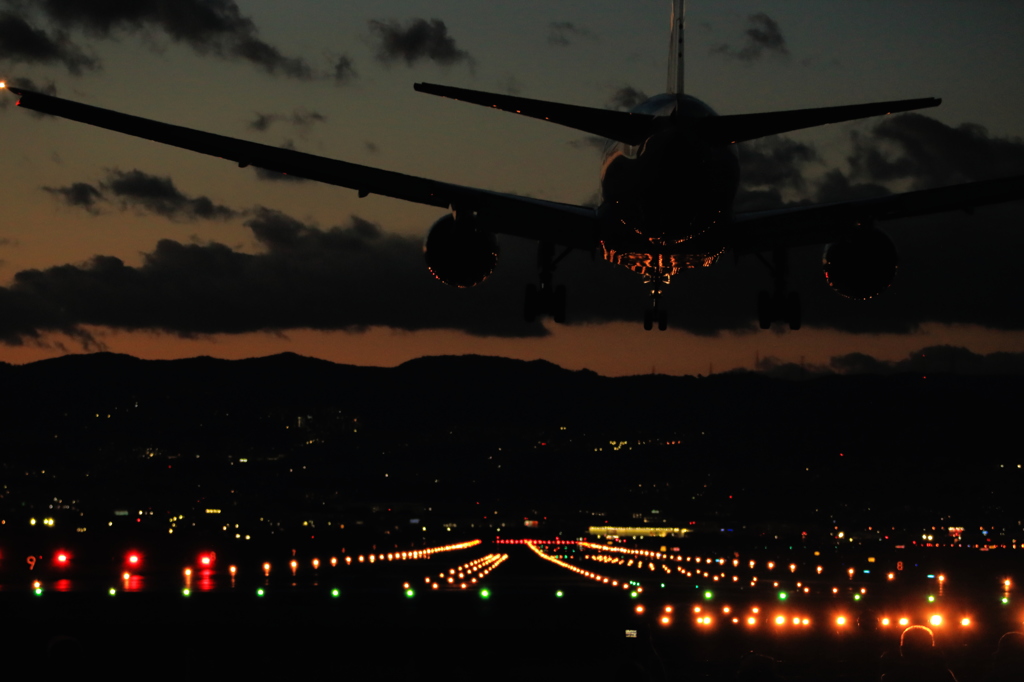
(780, 305)
(656, 314)
(546, 299)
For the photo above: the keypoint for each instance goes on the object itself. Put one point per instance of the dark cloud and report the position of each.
(762, 38)
(626, 98)
(589, 142)
(512, 85)
(263, 121)
(930, 153)
(417, 41)
(141, 191)
(371, 147)
(775, 161)
(214, 27)
(347, 277)
(22, 43)
(300, 118)
(46, 87)
(80, 194)
(562, 33)
(159, 195)
(344, 72)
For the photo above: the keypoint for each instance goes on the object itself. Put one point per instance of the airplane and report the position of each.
(668, 181)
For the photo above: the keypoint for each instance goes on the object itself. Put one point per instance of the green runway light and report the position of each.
(39, 591)
(931, 598)
(260, 592)
(186, 592)
(559, 594)
(111, 591)
(633, 594)
(1006, 600)
(783, 596)
(708, 594)
(485, 593)
(335, 592)
(410, 593)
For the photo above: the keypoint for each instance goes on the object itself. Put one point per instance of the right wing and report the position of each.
(823, 223)
(565, 224)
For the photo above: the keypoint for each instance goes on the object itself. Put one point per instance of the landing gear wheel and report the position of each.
(662, 320)
(765, 310)
(793, 310)
(649, 319)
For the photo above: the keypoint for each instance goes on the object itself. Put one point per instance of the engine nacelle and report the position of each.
(862, 265)
(459, 253)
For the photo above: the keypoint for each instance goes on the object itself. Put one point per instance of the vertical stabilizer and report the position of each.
(675, 49)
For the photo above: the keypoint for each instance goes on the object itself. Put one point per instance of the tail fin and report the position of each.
(675, 49)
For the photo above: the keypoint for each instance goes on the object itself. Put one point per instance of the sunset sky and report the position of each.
(114, 243)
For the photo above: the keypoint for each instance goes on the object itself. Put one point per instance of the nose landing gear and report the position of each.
(656, 314)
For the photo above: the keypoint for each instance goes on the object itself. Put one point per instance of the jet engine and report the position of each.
(861, 265)
(459, 253)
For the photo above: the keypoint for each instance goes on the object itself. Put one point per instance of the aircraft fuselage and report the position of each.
(662, 199)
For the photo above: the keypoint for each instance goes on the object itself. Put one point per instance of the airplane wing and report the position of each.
(633, 128)
(824, 223)
(565, 224)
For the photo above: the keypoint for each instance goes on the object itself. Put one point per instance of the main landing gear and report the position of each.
(546, 299)
(655, 314)
(779, 305)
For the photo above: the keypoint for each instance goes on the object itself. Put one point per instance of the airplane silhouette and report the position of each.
(668, 182)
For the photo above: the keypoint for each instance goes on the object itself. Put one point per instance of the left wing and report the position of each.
(824, 223)
(565, 224)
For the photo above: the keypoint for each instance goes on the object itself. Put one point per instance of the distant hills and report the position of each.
(436, 430)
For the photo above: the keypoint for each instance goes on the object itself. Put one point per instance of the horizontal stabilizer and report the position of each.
(742, 127)
(614, 125)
